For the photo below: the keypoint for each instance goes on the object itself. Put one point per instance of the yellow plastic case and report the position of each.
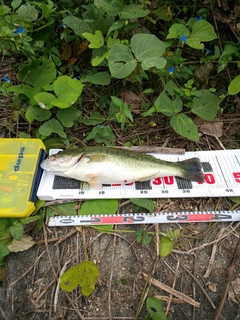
(20, 174)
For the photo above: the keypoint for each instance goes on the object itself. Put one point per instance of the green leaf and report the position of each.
(28, 12)
(157, 62)
(147, 47)
(3, 252)
(121, 61)
(95, 118)
(68, 91)
(202, 31)
(111, 7)
(168, 106)
(96, 207)
(184, 126)
(102, 135)
(84, 274)
(155, 309)
(100, 206)
(27, 90)
(96, 40)
(64, 209)
(68, 116)
(77, 25)
(206, 106)
(115, 26)
(36, 113)
(16, 231)
(99, 59)
(166, 246)
(177, 30)
(38, 73)
(51, 126)
(65, 84)
(100, 78)
(234, 86)
(131, 11)
(126, 111)
(44, 99)
(144, 203)
(16, 3)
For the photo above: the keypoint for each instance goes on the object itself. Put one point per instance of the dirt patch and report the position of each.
(29, 290)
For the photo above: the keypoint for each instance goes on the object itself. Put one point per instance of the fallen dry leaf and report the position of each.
(212, 286)
(214, 128)
(234, 289)
(24, 244)
(132, 99)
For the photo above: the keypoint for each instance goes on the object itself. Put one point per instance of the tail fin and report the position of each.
(192, 170)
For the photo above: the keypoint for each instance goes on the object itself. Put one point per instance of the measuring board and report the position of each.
(145, 218)
(221, 169)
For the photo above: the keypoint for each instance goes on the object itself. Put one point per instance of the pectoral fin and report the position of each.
(94, 182)
(147, 178)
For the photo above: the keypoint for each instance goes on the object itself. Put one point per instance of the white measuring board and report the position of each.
(221, 169)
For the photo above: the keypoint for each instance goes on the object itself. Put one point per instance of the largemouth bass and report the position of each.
(108, 165)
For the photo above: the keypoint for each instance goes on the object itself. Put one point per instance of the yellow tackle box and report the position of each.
(20, 174)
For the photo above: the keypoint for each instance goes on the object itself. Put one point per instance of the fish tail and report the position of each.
(192, 170)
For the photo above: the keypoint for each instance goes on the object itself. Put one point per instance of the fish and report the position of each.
(100, 165)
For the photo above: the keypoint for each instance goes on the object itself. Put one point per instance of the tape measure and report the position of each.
(145, 218)
(221, 169)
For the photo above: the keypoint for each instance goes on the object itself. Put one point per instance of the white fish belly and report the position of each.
(110, 172)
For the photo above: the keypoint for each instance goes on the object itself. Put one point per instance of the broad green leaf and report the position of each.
(44, 99)
(100, 206)
(99, 59)
(102, 134)
(37, 73)
(166, 246)
(36, 113)
(117, 101)
(68, 116)
(206, 106)
(144, 203)
(95, 207)
(100, 78)
(96, 40)
(77, 25)
(16, 3)
(16, 231)
(155, 308)
(184, 126)
(65, 100)
(147, 46)
(95, 118)
(27, 90)
(234, 86)
(235, 199)
(64, 209)
(52, 126)
(202, 31)
(131, 11)
(121, 61)
(157, 62)
(84, 274)
(177, 30)
(66, 85)
(111, 7)
(168, 106)
(28, 12)
(115, 26)
(3, 252)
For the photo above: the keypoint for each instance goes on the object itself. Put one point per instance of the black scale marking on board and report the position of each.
(65, 183)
